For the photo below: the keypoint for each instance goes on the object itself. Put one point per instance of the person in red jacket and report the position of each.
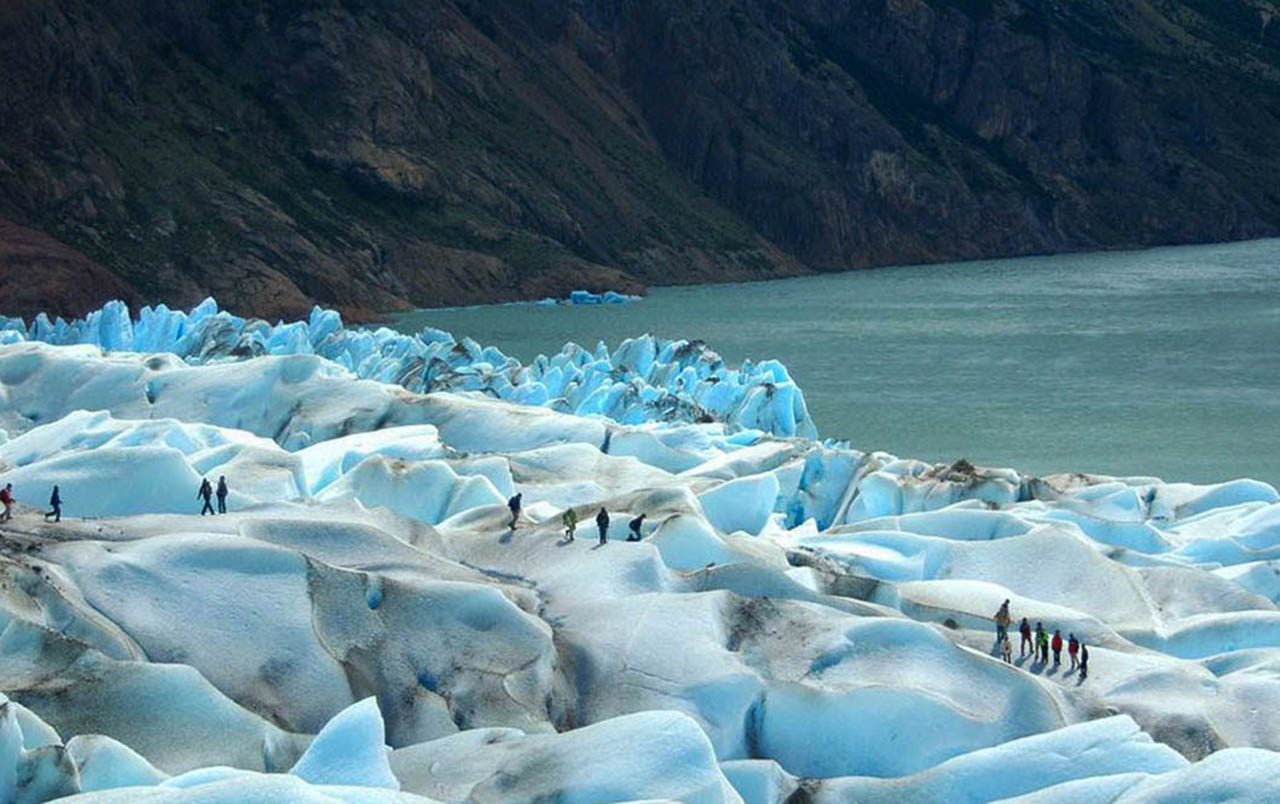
(1073, 649)
(6, 497)
(1025, 630)
(1056, 644)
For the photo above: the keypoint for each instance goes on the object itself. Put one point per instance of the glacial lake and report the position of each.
(1162, 362)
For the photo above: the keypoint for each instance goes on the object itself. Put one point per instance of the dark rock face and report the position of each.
(864, 132)
(379, 154)
(39, 274)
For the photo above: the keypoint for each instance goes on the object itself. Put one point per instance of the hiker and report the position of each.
(1003, 621)
(514, 505)
(1073, 649)
(570, 520)
(6, 497)
(55, 502)
(1057, 647)
(1025, 630)
(635, 528)
(1084, 661)
(222, 494)
(602, 524)
(1006, 650)
(1042, 644)
(206, 493)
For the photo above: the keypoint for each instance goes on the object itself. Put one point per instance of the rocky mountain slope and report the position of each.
(379, 154)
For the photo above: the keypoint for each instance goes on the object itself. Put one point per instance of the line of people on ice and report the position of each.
(1040, 643)
(570, 521)
(8, 501)
(207, 493)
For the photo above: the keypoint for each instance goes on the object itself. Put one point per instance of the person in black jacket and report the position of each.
(55, 502)
(1084, 661)
(513, 505)
(635, 528)
(206, 493)
(222, 494)
(602, 523)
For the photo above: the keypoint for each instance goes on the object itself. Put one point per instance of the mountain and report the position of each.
(379, 154)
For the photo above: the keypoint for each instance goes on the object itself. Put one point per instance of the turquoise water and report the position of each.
(1159, 362)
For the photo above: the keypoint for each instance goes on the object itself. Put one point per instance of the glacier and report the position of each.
(643, 379)
(801, 620)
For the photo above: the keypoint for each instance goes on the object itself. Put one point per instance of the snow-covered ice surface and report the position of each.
(800, 622)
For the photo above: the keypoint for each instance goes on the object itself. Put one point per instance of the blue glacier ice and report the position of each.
(800, 620)
(644, 379)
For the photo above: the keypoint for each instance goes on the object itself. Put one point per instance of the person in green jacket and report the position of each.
(570, 520)
(1042, 643)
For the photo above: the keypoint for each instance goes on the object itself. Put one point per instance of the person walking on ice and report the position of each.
(1042, 644)
(570, 520)
(1003, 621)
(222, 494)
(1084, 661)
(206, 493)
(513, 505)
(1073, 649)
(6, 497)
(1027, 644)
(55, 502)
(602, 525)
(635, 524)
(1057, 648)
(1006, 650)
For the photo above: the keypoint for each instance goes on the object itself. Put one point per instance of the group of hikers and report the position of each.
(1040, 643)
(6, 499)
(206, 493)
(570, 521)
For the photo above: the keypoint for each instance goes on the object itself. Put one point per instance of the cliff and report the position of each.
(380, 154)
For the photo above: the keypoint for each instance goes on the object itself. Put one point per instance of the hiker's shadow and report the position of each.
(564, 542)
(507, 536)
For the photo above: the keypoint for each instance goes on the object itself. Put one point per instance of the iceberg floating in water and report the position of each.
(608, 297)
(644, 379)
(586, 297)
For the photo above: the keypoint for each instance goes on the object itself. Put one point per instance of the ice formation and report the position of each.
(643, 379)
(800, 621)
(586, 297)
